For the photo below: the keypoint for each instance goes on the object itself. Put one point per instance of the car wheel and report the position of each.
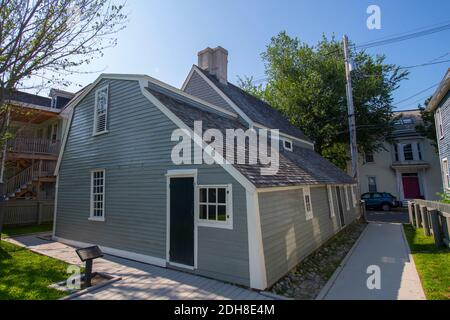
(386, 207)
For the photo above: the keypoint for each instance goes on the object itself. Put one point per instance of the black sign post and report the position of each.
(87, 255)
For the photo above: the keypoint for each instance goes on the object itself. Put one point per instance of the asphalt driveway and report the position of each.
(394, 216)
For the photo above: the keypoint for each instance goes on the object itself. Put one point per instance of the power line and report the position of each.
(425, 64)
(404, 37)
(407, 32)
(418, 93)
(420, 100)
(397, 38)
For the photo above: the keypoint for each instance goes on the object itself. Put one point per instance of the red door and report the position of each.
(411, 187)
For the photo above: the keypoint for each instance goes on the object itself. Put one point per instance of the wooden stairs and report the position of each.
(23, 182)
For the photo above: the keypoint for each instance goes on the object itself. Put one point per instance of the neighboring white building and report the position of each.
(408, 168)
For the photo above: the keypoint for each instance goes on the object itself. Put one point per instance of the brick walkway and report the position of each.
(141, 281)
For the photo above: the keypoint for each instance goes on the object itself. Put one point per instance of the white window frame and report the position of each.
(439, 124)
(291, 148)
(91, 215)
(353, 195)
(330, 201)
(309, 214)
(94, 131)
(53, 102)
(228, 224)
(445, 172)
(347, 201)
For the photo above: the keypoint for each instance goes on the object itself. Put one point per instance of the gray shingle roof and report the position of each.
(256, 109)
(300, 167)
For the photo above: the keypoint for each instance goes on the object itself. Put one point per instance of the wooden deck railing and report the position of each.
(38, 169)
(32, 145)
(433, 217)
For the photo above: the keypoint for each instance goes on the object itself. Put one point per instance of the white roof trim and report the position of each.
(228, 167)
(143, 81)
(140, 77)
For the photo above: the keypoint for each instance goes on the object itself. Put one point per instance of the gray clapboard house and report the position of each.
(440, 106)
(118, 187)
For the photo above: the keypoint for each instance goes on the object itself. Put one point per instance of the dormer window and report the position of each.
(287, 144)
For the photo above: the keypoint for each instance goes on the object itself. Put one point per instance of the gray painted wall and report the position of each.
(287, 236)
(444, 143)
(199, 88)
(136, 156)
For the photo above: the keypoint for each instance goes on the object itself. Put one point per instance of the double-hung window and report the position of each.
(445, 172)
(347, 201)
(439, 124)
(408, 154)
(215, 206)
(353, 196)
(330, 201)
(97, 195)
(308, 204)
(372, 184)
(101, 110)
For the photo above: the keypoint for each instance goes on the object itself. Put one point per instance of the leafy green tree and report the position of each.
(428, 127)
(307, 84)
(47, 40)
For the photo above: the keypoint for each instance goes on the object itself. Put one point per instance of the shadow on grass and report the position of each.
(27, 275)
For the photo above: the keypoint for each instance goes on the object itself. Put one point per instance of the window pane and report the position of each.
(308, 203)
(221, 213)
(408, 152)
(203, 195)
(212, 196)
(203, 212)
(221, 195)
(212, 212)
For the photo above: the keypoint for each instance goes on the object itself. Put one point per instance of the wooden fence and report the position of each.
(26, 212)
(433, 217)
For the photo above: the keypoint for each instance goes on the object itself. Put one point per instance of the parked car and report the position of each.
(380, 200)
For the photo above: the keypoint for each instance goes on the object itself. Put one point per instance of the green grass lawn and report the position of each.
(432, 263)
(15, 231)
(25, 275)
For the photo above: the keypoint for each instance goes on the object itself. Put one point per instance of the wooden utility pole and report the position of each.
(351, 114)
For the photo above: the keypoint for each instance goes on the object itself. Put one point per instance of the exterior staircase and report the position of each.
(23, 181)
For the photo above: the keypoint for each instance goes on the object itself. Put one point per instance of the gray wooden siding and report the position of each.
(444, 143)
(199, 88)
(136, 156)
(287, 236)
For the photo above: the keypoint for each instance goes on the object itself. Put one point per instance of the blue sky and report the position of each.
(163, 37)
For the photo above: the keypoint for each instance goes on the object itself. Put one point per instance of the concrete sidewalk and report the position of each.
(382, 245)
(141, 281)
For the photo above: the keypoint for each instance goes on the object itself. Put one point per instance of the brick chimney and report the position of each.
(215, 61)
